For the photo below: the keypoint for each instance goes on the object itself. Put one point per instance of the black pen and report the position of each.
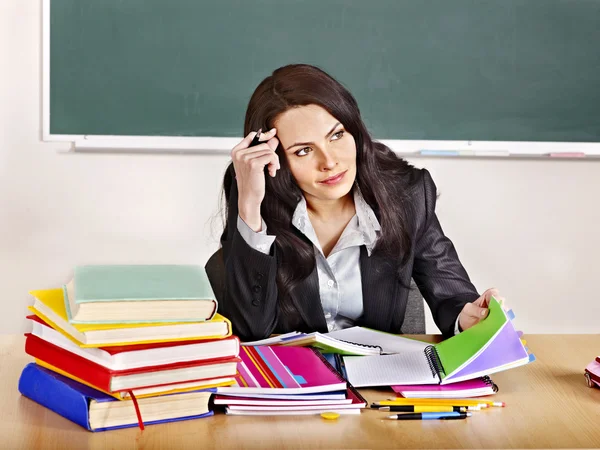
(422, 409)
(431, 416)
(256, 139)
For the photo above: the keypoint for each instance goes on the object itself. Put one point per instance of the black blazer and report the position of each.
(250, 297)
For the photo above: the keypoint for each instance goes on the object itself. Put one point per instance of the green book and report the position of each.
(490, 346)
(139, 293)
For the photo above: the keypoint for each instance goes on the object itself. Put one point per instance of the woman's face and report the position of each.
(321, 154)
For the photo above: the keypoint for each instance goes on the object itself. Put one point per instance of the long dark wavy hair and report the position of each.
(383, 178)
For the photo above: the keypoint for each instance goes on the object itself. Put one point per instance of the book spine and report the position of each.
(46, 390)
(435, 363)
(79, 367)
(67, 304)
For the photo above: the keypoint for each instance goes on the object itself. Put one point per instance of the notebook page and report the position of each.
(388, 370)
(389, 343)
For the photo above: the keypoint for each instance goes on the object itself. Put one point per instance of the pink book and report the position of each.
(283, 370)
(476, 387)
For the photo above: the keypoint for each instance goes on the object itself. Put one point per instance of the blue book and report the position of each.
(96, 411)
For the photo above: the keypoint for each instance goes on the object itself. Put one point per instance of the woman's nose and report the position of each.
(327, 160)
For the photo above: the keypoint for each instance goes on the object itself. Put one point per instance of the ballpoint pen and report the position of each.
(256, 139)
(423, 408)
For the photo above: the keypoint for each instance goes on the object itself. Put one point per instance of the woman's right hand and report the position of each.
(249, 164)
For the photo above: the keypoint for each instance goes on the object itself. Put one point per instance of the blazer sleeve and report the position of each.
(437, 270)
(250, 297)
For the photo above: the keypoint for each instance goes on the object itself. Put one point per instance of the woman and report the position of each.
(326, 227)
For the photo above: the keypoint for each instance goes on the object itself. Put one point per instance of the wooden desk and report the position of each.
(549, 405)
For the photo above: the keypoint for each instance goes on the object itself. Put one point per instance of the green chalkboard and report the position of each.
(511, 70)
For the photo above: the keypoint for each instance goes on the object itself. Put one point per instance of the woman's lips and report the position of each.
(334, 179)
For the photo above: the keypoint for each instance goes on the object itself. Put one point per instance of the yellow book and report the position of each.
(49, 305)
(145, 392)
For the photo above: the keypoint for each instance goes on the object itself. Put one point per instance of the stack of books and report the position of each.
(287, 381)
(126, 346)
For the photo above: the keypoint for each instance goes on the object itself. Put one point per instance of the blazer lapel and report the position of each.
(379, 289)
(307, 300)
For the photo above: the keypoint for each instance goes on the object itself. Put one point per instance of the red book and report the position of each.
(122, 380)
(126, 357)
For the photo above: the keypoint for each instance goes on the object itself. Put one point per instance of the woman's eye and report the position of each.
(338, 135)
(302, 152)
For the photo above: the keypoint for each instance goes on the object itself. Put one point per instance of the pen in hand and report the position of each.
(431, 416)
(256, 139)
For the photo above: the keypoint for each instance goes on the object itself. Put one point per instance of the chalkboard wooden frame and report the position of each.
(216, 144)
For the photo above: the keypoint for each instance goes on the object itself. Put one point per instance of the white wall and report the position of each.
(529, 228)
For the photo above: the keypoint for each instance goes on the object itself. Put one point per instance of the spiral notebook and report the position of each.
(491, 346)
(357, 341)
(476, 387)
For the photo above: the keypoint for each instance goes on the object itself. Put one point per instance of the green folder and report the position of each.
(459, 349)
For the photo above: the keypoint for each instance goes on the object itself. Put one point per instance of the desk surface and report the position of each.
(549, 405)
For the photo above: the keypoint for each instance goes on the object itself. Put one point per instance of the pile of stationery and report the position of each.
(433, 408)
(124, 346)
(427, 378)
(452, 368)
(288, 381)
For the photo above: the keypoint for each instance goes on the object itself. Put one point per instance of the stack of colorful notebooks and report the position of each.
(287, 381)
(145, 346)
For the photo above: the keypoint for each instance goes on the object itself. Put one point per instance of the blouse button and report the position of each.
(330, 283)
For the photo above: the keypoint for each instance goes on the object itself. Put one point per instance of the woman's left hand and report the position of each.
(473, 313)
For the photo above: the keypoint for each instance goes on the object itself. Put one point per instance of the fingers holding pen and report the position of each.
(268, 135)
(249, 141)
(253, 151)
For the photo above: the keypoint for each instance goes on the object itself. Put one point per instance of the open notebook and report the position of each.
(490, 346)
